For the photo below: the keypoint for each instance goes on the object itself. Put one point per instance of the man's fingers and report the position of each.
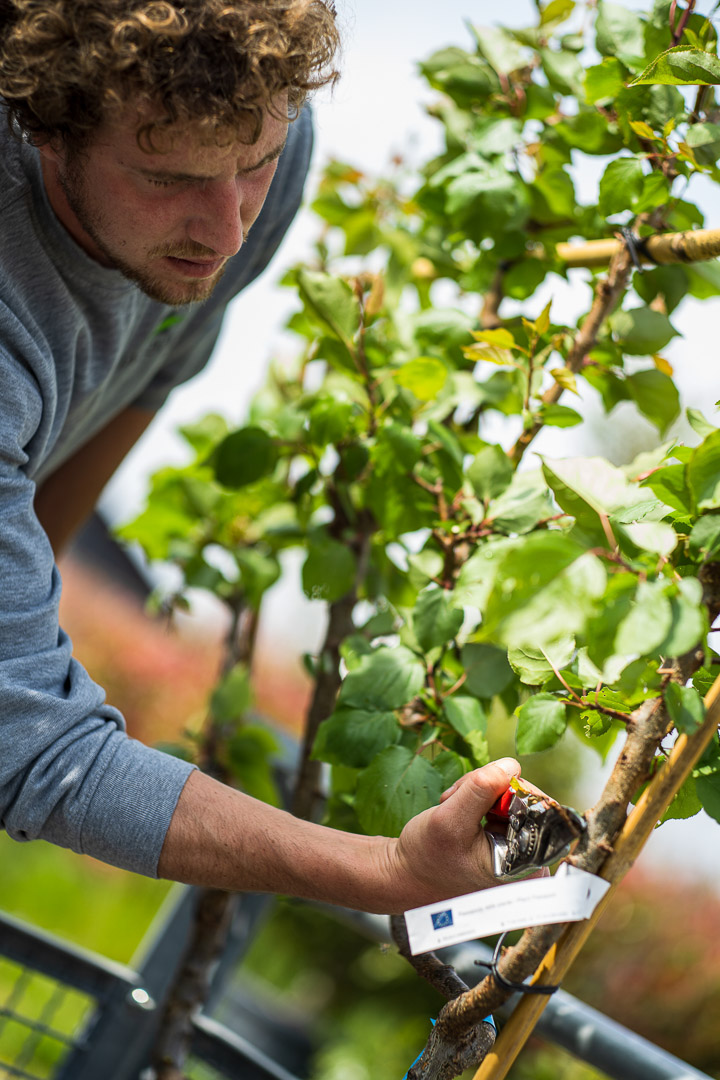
(481, 788)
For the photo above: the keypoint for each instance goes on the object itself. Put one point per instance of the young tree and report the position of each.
(462, 577)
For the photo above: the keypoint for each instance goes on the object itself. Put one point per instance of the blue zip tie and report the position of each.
(487, 1020)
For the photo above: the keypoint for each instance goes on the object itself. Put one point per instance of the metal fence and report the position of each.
(66, 1014)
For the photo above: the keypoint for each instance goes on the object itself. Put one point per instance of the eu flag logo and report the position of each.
(441, 919)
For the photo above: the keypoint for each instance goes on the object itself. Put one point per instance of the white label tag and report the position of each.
(569, 896)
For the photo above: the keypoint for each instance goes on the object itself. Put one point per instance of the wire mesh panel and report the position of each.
(41, 1021)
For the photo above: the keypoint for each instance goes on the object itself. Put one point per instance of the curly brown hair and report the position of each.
(68, 65)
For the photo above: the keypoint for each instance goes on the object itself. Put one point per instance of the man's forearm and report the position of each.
(220, 838)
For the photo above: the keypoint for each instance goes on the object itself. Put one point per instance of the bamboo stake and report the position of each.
(694, 245)
(638, 827)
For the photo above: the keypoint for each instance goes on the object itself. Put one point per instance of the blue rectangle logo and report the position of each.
(441, 919)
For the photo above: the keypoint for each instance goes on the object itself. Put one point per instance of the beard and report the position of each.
(163, 291)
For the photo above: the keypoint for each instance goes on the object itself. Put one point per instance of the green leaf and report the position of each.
(707, 781)
(232, 696)
(563, 70)
(450, 767)
(534, 667)
(424, 377)
(699, 424)
(329, 421)
(464, 77)
(604, 81)
(258, 573)
(620, 185)
(655, 536)
(685, 707)
(205, 433)
(435, 621)
(556, 11)
(586, 488)
(685, 804)
(332, 302)
(656, 396)
(670, 485)
(704, 139)
(329, 569)
(500, 49)
(603, 626)
(708, 792)
(465, 714)
(387, 679)
(559, 416)
(354, 736)
(500, 338)
(486, 199)
(490, 473)
(394, 788)
(249, 752)
(487, 669)
(669, 282)
(523, 504)
(681, 66)
(704, 279)
(595, 730)
(648, 622)
(539, 595)
(619, 32)
(478, 745)
(689, 620)
(705, 536)
(541, 722)
(565, 378)
(245, 456)
(642, 331)
(703, 473)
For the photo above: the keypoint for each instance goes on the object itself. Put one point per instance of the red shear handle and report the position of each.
(501, 807)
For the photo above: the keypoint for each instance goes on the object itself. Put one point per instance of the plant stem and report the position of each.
(215, 908)
(307, 789)
(607, 293)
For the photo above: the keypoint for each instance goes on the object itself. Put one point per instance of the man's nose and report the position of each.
(216, 221)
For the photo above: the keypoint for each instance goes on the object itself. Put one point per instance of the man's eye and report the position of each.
(160, 183)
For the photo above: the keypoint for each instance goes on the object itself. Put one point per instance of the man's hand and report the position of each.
(444, 850)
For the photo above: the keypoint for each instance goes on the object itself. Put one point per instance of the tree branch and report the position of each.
(607, 293)
(646, 728)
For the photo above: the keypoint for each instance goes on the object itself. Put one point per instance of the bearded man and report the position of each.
(153, 158)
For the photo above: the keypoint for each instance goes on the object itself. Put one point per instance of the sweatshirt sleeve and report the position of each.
(68, 771)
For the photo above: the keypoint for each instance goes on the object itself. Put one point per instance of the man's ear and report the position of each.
(52, 150)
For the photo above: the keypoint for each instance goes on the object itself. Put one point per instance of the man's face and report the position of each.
(167, 220)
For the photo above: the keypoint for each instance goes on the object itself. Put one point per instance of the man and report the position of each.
(146, 139)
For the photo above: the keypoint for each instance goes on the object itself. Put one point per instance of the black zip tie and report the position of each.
(637, 248)
(633, 244)
(508, 984)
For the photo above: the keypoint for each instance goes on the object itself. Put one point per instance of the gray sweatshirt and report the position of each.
(78, 344)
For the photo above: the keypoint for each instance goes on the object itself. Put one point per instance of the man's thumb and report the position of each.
(478, 790)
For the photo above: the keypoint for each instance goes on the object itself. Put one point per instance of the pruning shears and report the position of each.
(528, 831)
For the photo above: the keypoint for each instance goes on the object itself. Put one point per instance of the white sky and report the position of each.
(376, 111)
